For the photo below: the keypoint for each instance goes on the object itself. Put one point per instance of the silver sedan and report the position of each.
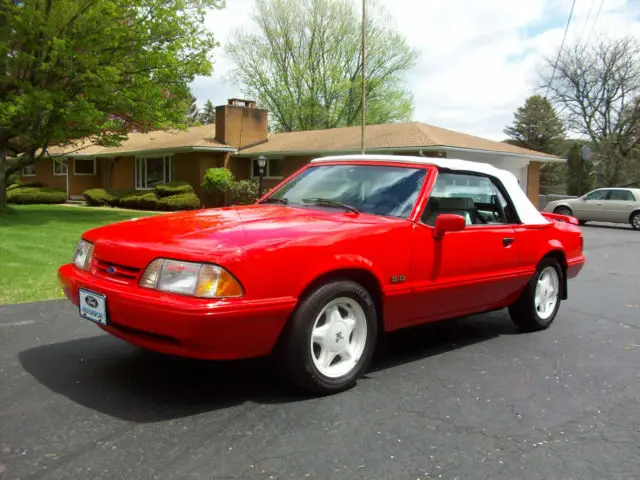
(616, 205)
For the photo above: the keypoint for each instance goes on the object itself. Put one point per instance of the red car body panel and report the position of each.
(276, 252)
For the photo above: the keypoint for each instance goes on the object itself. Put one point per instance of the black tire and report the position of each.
(295, 350)
(524, 312)
(634, 220)
(562, 210)
(582, 222)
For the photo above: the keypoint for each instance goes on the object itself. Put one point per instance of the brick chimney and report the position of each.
(240, 123)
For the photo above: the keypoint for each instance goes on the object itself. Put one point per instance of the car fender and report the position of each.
(327, 266)
(555, 247)
(559, 203)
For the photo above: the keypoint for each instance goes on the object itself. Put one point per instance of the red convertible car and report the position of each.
(343, 251)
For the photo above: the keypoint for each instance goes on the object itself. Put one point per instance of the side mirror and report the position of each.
(448, 222)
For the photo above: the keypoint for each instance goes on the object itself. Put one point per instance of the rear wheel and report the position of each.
(330, 339)
(563, 211)
(634, 220)
(538, 304)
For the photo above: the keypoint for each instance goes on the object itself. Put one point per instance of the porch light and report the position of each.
(262, 162)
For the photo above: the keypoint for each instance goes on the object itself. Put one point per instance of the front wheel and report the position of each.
(538, 304)
(634, 220)
(330, 339)
(563, 211)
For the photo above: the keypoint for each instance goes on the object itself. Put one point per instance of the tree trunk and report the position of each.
(3, 187)
(3, 179)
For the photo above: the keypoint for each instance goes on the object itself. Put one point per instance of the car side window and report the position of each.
(475, 197)
(597, 195)
(624, 195)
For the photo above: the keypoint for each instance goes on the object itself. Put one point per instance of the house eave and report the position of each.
(147, 152)
(382, 150)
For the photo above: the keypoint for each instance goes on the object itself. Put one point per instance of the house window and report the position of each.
(273, 169)
(153, 171)
(29, 170)
(84, 166)
(59, 167)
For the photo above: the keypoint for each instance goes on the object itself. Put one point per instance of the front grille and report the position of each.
(115, 271)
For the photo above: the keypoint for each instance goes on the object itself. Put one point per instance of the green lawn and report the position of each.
(36, 239)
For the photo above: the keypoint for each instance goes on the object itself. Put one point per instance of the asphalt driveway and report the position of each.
(469, 399)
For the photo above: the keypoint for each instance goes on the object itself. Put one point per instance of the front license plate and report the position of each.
(93, 306)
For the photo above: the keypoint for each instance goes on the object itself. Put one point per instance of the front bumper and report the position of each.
(180, 325)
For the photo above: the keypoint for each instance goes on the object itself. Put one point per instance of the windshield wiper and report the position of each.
(326, 202)
(283, 201)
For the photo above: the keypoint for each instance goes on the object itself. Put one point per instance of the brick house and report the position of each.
(240, 135)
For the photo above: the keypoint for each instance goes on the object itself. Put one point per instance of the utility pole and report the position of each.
(364, 77)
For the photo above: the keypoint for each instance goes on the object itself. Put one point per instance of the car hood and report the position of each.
(215, 233)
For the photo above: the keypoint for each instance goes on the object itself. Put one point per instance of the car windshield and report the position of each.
(373, 189)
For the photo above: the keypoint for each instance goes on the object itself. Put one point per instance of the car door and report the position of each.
(590, 206)
(618, 206)
(471, 270)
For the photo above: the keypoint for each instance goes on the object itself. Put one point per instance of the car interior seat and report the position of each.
(463, 206)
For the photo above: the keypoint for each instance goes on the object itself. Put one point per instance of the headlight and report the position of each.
(202, 280)
(82, 255)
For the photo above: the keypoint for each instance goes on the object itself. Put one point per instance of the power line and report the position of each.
(566, 29)
(597, 15)
(586, 20)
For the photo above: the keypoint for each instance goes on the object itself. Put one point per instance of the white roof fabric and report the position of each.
(527, 212)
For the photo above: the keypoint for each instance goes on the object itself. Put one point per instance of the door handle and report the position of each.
(506, 241)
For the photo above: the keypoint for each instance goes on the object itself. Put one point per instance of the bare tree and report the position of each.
(598, 90)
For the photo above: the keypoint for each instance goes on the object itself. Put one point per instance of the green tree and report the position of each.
(208, 113)
(579, 172)
(94, 69)
(192, 116)
(537, 126)
(301, 59)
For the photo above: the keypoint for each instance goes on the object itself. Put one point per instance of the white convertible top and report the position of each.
(527, 212)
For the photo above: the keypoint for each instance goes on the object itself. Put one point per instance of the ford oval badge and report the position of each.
(111, 270)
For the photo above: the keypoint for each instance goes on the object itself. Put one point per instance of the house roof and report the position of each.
(394, 136)
(410, 136)
(194, 138)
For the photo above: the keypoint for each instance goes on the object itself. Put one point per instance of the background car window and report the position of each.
(373, 189)
(475, 197)
(597, 195)
(625, 195)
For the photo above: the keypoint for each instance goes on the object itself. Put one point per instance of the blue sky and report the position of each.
(479, 60)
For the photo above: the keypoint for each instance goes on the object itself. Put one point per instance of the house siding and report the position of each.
(533, 182)
(44, 174)
(122, 174)
(80, 183)
(186, 168)
(119, 173)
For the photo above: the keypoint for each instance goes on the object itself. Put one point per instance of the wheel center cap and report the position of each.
(337, 338)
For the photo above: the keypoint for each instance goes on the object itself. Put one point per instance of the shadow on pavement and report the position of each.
(424, 341)
(609, 226)
(107, 375)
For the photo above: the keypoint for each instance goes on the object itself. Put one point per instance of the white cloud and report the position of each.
(479, 60)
